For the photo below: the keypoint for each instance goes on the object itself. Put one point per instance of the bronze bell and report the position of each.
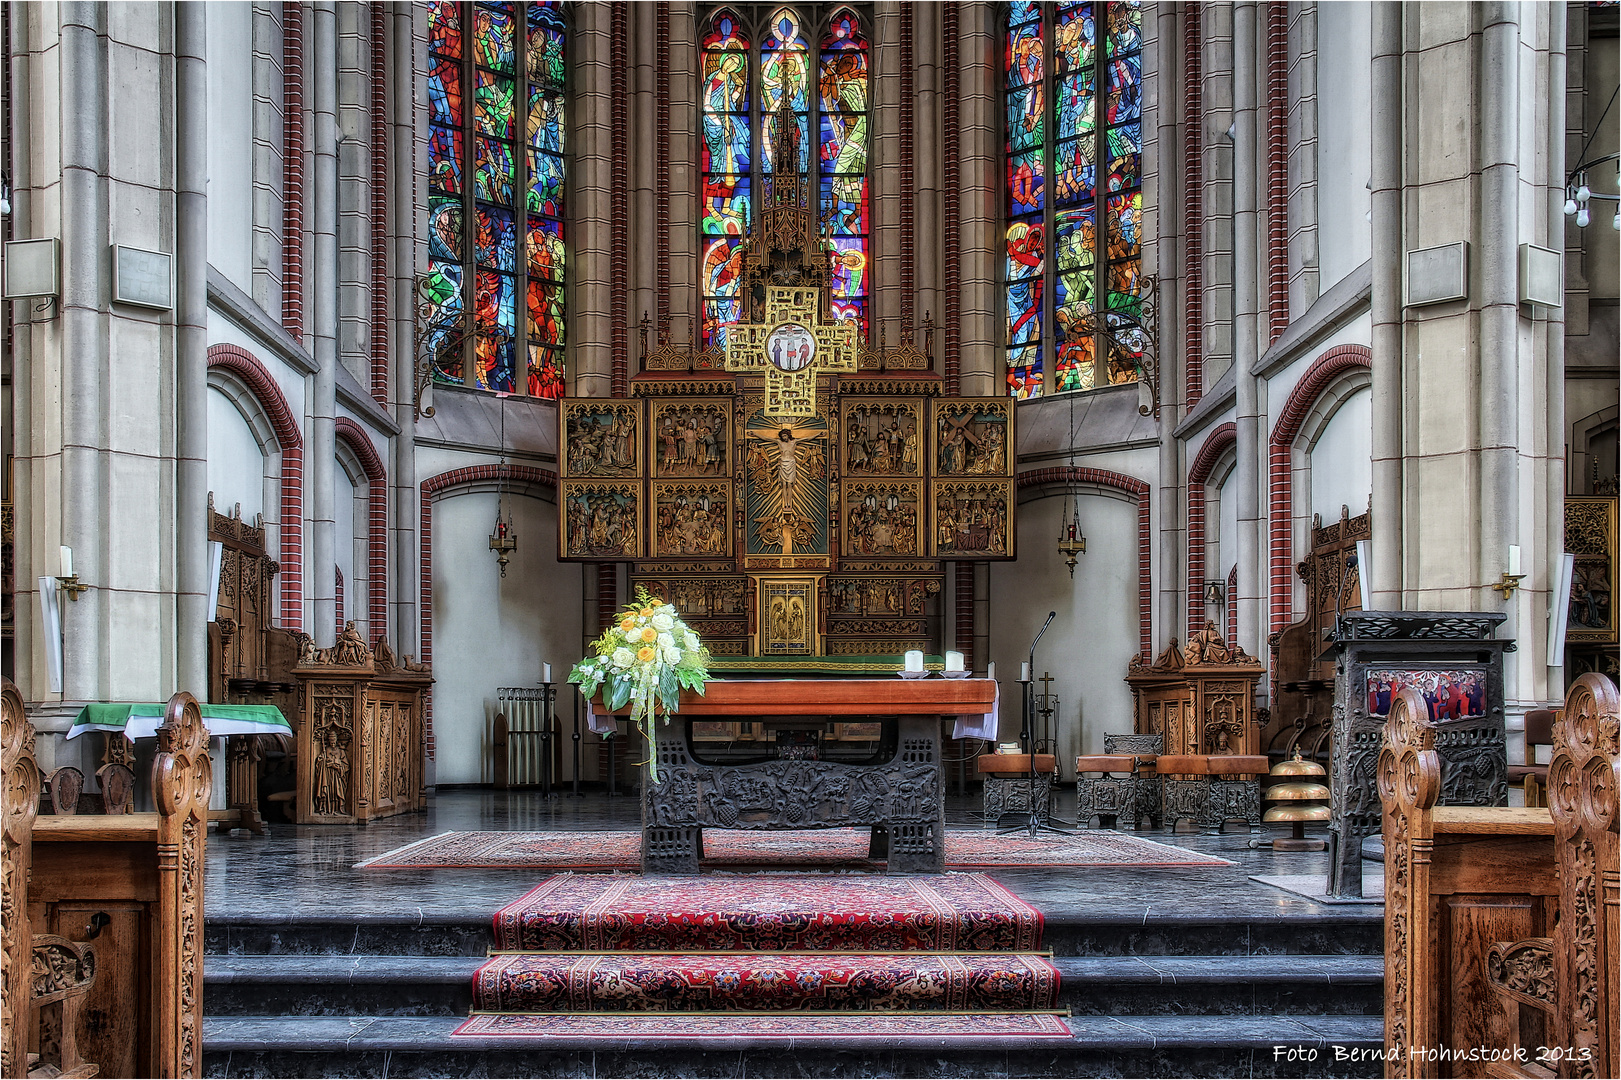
(1300, 798)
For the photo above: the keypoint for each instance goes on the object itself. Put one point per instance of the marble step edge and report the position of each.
(1073, 970)
(397, 1034)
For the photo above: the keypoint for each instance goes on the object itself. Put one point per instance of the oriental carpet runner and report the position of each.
(610, 957)
(804, 849)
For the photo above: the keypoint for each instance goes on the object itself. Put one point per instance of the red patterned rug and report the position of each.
(624, 913)
(802, 849)
(845, 1028)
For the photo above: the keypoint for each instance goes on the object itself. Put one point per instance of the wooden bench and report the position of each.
(1501, 940)
(131, 885)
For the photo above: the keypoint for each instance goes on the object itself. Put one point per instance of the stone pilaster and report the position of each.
(679, 72)
(884, 153)
(979, 57)
(591, 134)
(1246, 325)
(269, 123)
(1302, 106)
(407, 26)
(324, 299)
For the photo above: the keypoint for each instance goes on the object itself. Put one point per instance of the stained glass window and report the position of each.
(496, 238)
(1056, 59)
(752, 57)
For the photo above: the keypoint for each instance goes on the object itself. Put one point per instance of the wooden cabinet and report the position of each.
(1200, 698)
(360, 735)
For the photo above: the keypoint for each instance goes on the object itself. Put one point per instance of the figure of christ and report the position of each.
(787, 445)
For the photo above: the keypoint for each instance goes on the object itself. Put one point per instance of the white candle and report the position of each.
(953, 661)
(914, 660)
(67, 561)
(545, 673)
(990, 671)
(1513, 560)
(1024, 671)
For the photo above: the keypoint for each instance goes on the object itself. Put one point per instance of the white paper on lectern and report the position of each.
(50, 617)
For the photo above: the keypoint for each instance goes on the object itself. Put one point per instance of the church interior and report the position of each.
(843, 634)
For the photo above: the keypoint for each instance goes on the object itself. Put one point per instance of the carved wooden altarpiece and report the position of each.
(793, 490)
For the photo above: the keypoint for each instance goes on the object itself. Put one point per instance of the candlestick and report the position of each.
(953, 661)
(990, 671)
(545, 673)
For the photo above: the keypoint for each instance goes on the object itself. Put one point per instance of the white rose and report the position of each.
(623, 658)
(663, 621)
(666, 641)
(672, 654)
(692, 640)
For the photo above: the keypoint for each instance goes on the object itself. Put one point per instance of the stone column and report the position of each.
(643, 171)
(926, 143)
(269, 125)
(979, 59)
(191, 350)
(1385, 179)
(1216, 279)
(1246, 328)
(1302, 104)
(592, 139)
(407, 165)
(685, 146)
(324, 323)
(1169, 258)
(884, 148)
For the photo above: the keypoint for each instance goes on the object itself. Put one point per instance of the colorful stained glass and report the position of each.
(723, 34)
(1077, 105)
(723, 268)
(493, 363)
(726, 83)
(492, 104)
(726, 205)
(844, 77)
(1026, 184)
(545, 43)
(497, 242)
(768, 138)
(1124, 218)
(1075, 37)
(545, 372)
(1023, 11)
(1075, 291)
(445, 28)
(1024, 311)
(1125, 100)
(718, 315)
(442, 288)
(1024, 55)
(844, 143)
(545, 313)
(1125, 26)
(545, 120)
(445, 159)
(1076, 179)
(493, 303)
(1125, 156)
(492, 179)
(845, 197)
(547, 255)
(1024, 372)
(726, 143)
(1076, 239)
(444, 228)
(1125, 282)
(843, 308)
(545, 184)
(492, 36)
(1026, 119)
(849, 261)
(445, 90)
(1073, 369)
(1026, 249)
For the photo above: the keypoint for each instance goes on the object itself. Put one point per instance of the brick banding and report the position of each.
(292, 212)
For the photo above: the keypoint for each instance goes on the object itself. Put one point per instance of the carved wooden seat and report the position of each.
(1009, 788)
(1211, 789)
(1533, 776)
(1500, 933)
(62, 975)
(1145, 748)
(1106, 789)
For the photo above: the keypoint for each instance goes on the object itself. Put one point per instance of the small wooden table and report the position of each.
(900, 792)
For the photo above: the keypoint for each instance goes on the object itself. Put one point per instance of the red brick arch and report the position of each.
(434, 488)
(355, 438)
(1323, 373)
(1215, 445)
(1138, 490)
(245, 366)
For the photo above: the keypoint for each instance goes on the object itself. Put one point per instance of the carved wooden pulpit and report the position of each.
(1200, 697)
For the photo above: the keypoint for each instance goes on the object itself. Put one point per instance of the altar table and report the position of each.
(898, 788)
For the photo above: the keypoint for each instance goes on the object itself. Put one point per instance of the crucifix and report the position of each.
(1048, 706)
(791, 346)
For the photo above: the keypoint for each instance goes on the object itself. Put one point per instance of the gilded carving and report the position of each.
(882, 438)
(600, 519)
(970, 519)
(600, 438)
(881, 518)
(691, 438)
(692, 517)
(972, 437)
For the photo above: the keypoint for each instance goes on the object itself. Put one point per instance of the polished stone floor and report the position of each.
(310, 869)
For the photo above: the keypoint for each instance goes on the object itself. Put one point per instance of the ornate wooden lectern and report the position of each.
(822, 753)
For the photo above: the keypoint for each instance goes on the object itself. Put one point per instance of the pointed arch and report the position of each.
(355, 438)
(1216, 444)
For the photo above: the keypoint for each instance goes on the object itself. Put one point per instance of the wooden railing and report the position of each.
(1501, 927)
(129, 885)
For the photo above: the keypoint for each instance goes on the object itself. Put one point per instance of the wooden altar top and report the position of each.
(835, 697)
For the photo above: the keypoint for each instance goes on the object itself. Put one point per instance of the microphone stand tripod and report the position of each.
(1035, 825)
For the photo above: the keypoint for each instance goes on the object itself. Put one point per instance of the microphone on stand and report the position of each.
(1051, 615)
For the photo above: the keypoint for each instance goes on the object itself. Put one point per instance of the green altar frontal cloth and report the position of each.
(140, 720)
(816, 665)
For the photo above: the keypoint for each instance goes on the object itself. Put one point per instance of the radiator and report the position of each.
(524, 730)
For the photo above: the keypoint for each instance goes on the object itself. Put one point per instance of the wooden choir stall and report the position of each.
(830, 753)
(104, 916)
(1502, 937)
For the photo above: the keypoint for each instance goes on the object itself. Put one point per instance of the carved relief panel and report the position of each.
(599, 519)
(788, 617)
(692, 518)
(972, 437)
(882, 437)
(971, 519)
(881, 518)
(599, 439)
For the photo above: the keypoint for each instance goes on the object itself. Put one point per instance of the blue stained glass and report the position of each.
(497, 240)
(1026, 184)
(1024, 372)
(846, 197)
(545, 184)
(1023, 58)
(546, 125)
(1075, 37)
(1077, 105)
(1024, 311)
(444, 228)
(493, 302)
(1023, 11)
(492, 36)
(784, 33)
(445, 159)
(492, 104)
(546, 43)
(844, 143)
(1076, 181)
(1125, 218)
(849, 259)
(493, 359)
(779, 69)
(725, 205)
(1026, 249)
(492, 180)
(844, 78)
(1026, 125)
(718, 316)
(726, 143)
(1125, 89)
(1075, 291)
(445, 91)
(767, 139)
(726, 82)
(1125, 27)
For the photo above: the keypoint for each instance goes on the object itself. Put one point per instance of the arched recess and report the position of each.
(1332, 378)
(1591, 440)
(1216, 444)
(350, 434)
(290, 554)
(1137, 491)
(516, 479)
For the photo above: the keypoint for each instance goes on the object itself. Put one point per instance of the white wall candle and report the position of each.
(1024, 671)
(545, 673)
(990, 671)
(67, 561)
(953, 660)
(914, 660)
(1513, 560)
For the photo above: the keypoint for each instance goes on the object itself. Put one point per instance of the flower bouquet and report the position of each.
(647, 657)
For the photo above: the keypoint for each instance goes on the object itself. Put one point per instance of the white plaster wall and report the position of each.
(230, 142)
(1094, 636)
(236, 463)
(1341, 461)
(1226, 539)
(490, 631)
(1344, 31)
(343, 519)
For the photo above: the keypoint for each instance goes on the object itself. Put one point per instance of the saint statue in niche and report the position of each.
(331, 769)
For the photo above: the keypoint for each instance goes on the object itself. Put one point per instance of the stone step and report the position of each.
(332, 985)
(1132, 1045)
